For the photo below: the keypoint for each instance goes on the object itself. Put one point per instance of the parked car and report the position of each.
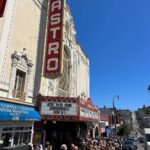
(128, 145)
(134, 140)
(141, 139)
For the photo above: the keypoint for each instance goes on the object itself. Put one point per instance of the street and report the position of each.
(140, 146)
(135, 130)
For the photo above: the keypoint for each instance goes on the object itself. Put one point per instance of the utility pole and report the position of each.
(114, 110)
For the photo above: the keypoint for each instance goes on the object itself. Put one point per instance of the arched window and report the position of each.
(64, 81)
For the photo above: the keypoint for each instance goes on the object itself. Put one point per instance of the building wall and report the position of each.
(22, 44)
(20, 28)
(83, 74)
(6, 27)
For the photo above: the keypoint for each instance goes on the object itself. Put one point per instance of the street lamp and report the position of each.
(115, 97)
(114, 109)
(149, 88)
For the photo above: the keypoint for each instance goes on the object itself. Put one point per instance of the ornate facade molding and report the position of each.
(6, 34)
(4, 82)
(50, 86)
(70, 43)
(20, 60)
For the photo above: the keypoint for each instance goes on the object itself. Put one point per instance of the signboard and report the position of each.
(9, 111)
(88, 113)
(54, 46)
(59, 108)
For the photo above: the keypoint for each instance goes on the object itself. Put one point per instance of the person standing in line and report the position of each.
(103, 144)
(63, 147)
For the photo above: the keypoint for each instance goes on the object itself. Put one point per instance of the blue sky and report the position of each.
(115, 34)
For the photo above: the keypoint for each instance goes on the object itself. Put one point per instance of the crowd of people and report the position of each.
(112, 143)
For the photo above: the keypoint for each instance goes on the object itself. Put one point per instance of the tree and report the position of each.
(124, 130)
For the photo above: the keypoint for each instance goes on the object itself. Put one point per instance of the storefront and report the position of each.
(104, 125)
(64, 120)
(16, 125)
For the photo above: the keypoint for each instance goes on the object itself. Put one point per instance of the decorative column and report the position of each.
(15, 59)
(26, 90)
(9, 15)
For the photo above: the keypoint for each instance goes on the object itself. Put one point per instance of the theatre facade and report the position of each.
(67, 112)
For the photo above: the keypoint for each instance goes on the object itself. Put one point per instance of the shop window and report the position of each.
(6, 139)
(28, 128)
(26, 138)
(2, 7)
(20, 135)
(19, 128)
(21, 138)
(19, 85)
(7, 129)
(29, 136)
(16, 138)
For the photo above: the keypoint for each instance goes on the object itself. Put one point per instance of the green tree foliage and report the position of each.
(124, 130)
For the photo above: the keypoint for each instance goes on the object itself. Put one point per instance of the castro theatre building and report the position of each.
(67, 112)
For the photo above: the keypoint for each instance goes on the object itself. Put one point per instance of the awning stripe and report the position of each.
(10, 111)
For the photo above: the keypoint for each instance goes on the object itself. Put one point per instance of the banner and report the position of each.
(54, 46)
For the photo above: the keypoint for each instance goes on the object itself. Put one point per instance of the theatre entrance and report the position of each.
(58, 133)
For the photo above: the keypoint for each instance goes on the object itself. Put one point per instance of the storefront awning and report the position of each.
(9, 111)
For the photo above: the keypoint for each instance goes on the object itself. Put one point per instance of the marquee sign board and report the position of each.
(86, 113)
(54, 45)
(59, 108)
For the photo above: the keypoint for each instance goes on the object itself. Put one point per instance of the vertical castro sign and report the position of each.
(54, 50)
(2, 7)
